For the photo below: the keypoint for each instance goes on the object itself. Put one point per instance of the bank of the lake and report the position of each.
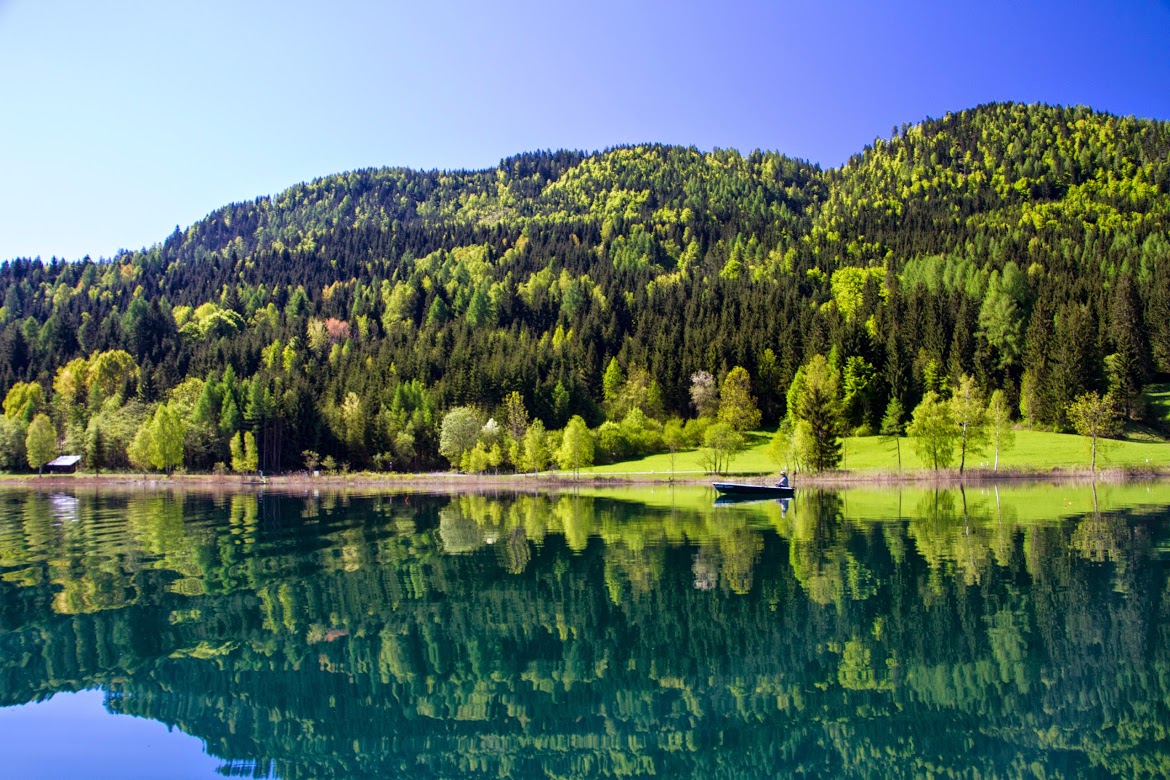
(1035, 456)
(453, 482)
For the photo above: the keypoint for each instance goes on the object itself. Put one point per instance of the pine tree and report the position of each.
(1128, 365)
(817, 404)
(893, 425)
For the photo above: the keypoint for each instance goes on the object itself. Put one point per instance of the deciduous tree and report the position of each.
(41, 442)
(970, 416)
(999, 423)
(576, 451)
(458, 433)
(737, 404)
(1095, 417)
(933, 431)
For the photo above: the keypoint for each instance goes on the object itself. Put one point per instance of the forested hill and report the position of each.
(1026, 246)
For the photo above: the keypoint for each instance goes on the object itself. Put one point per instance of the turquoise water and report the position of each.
(880, 633)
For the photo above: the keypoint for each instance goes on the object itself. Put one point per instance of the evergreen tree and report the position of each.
(611, 384)
(893, 426)
(817, 404)
(1003, 314)
(1127, 366)
(95, 445)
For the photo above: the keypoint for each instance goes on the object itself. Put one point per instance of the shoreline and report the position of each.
(446, 482)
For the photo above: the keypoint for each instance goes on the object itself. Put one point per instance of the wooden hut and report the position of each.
(66, 464)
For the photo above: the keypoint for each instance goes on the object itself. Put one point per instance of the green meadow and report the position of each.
(1033, 450)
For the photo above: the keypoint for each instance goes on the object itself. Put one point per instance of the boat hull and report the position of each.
(731, 490)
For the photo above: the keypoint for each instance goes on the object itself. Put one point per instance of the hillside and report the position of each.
(1024, 245)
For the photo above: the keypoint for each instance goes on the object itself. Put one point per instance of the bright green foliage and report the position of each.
(24, 401)
(251, 452)
(142, 450)
(535, 455)
(1002, 316)
(934, 432)
(245, 457)
(611, 383)
(515, 416)
(673, 438)
(848, 285)
(970, 416)
(999, 425)
(576, 450)
(721, 443)
(230, 418)
(639, 392)
(475, 460)
(209, 321)
(41, 442)
(239, 459)
(1095, 417)
(737, 404)
(167, 434)
(779, 450)
(459, 433)
(109, 373)
(893, 426)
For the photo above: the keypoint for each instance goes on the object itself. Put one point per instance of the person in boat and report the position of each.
(783, 479)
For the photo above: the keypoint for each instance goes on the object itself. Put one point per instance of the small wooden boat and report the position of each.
(730, 490)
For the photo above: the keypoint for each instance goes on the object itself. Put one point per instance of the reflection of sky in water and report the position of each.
(72, 735)
(64, 507)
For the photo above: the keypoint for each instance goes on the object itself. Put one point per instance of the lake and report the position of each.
(1019, 631)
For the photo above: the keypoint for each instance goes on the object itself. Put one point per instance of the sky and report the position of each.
(120, 120)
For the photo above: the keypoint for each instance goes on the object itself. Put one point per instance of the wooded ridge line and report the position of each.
(583, 308)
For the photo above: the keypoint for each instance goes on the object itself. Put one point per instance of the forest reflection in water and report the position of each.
(621, 633)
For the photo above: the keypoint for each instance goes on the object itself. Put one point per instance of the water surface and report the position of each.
(629, 633)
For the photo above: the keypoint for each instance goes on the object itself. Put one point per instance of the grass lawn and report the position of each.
(1033, 449)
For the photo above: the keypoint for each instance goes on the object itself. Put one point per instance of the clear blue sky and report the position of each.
(119, 120)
